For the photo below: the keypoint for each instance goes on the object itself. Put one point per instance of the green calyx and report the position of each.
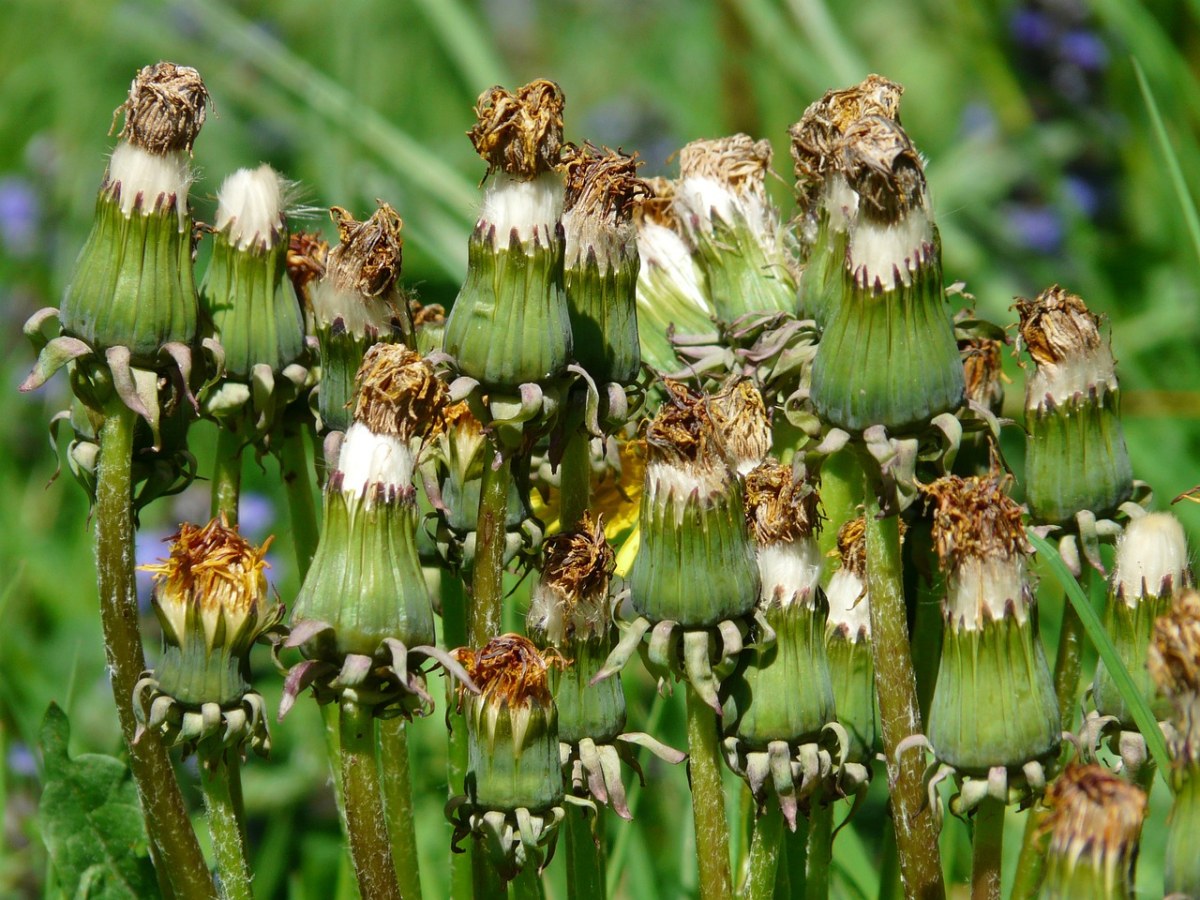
(193, 674)
(1182, 867)
(888, 356)
(782, 691)
(820, 283)
(251, 307)
(603, 313)
(586, 710)
(695, 564)
(341, 354)
(1076, 458)
(133, 284)
(852, 676)
(994, 701)
(513, 754)
(510, 324)
(1131, 629)
(741, 277)
(365, 580)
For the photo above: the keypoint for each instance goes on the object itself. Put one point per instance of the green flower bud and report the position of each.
(888, 355)
(512, 727)
(1151, 566)
(994, 702)
(1075, 455)
(251, 308)
(429, 321)
(570, 610)
(510, 323)
(1174, 663)
(695, 564)
(133, 285)
(826, 200)
(782, 691)
(1095, 824)
(358, 303)
(365, 582)
(672, 291)
(600, 270)
(722, 203)
(848, 643)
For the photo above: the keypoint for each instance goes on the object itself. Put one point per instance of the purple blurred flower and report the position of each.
(1084, 49)
(149, 547)
(20, 216)
(256, 515)
(1083, 195)
(21, 760)
(1031, 28)
(1036, 227)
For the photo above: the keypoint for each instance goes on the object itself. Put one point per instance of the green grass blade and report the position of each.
(1173, 168)
(1145, 720)
(467, 44)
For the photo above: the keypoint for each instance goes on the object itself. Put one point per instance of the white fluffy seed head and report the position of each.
(140, 173)
(849, 605)
(791, 571)
(988, 588)
(368, 459)
(250, 205)
(529, 207)
(890, 252)
(1152, 559)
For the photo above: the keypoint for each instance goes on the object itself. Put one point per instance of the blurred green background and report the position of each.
(1043, 158)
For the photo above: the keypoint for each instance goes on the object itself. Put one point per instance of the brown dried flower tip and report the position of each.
(368, 256)
(430, 314)
(1058, 326)
(780, 507)
(741, 424)
(816, 138)
(399, 394)
(510, 670)
(682, 431)
(1174, 657)
(602, 183)
(165, 108)
(1094, 816)
(975, 518)
(883, 167)
(657, 206)
(579, 563)
(852, 546)
(738, 162)
(983, 371)
(307, 254)
(520, 133)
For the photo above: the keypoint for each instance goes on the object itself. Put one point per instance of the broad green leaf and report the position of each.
(1145, 720)
(91, 820)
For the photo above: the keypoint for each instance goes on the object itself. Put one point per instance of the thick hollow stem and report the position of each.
(1031, 864)
(820, 852)
(487, 597)
(526, 886)
(1069, 661)
(365, 822)
(227, 475)
(224, 824)
(896, 686)
(397, 790)
(298, 484)
(575, 480)
(708, 800)
(176, 852)
(585, 858)
(454, 635)
(986, 850)
(764, 854)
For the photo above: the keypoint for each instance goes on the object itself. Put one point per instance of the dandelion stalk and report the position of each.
(454, 634)
(297, 485)
(398, 795)
(585, 861)
(819, 856)
(366, 824)
(227, 475)
(487, 595)
(986, 850)
(1068, 664)
(224, 823)
(175, 850)
(575, 480)
(708, 799)
(764, 855)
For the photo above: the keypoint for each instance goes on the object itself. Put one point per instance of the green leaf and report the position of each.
(1145, 720)
(91, 820)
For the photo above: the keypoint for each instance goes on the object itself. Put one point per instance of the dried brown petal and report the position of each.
(369, 254)
(975, 517)
(738, 162)
(165, 109)
(882, 166)
(520, 133)
(780, 507)
(1058, 326)
(510, 670)
(399, 394)
(1094, 815)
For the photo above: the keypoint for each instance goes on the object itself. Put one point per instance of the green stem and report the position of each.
(454, 635)
(795, 850)
(1069, 661)
(297, 483)
(708, 800)
(229, 846)
(575, 480)
(177, 855)
(397, 792)
(585, 858)
(487, 597)
(896, 687)
(526, 886)
(1031, 864)
(227, 475)
(366, 824)
(820, 851)
(986, 850)
(764, 854)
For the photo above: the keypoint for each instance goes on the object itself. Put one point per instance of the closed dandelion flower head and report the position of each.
(520, 132)
(165, 109)
(779, 507)
(399, 394)
(570, 601)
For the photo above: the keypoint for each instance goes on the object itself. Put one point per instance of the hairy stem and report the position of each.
(487, 596)
(397, 791)
(896, 686)
(227, 475)
(585, 857)
(224, 824)
(454, 635)
(820, 851)
(177, 855)
(708, 800)
(1069, 661)
(986, 850)
(366, 824)
(764, 854)
(575, 480)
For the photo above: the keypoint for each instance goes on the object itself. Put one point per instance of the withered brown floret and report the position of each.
(398, 393)
(738, 161)
(1093, 815)
(307, 254)
(975, 518)
(1058, 326)
(852, 546)
(779, 507)
(682, 431)
(658, 205)
(165, 109)
(602, 183)
(509, 669)
(369, 254)
(740, 422)
(983, 370)
(883, 167)
(1174, 656)
(520, 133)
